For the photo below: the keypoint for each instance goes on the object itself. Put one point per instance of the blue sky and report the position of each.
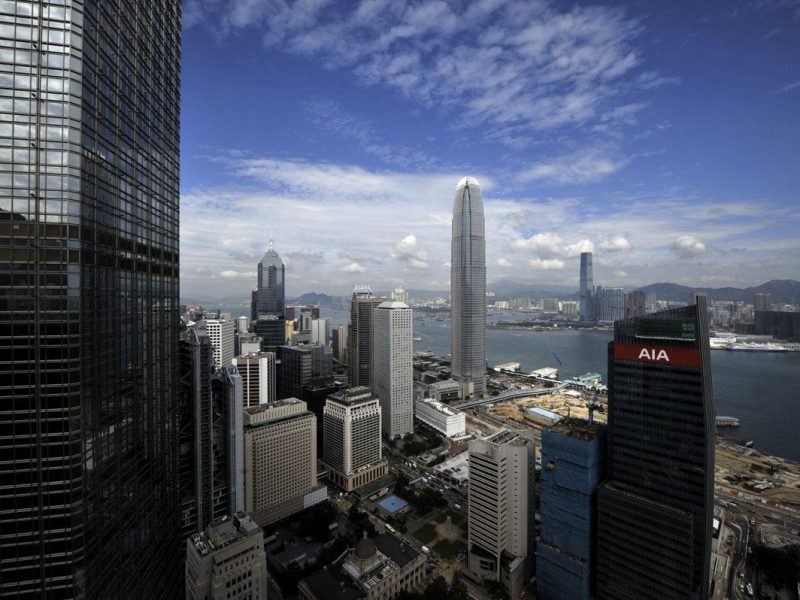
(665, 137)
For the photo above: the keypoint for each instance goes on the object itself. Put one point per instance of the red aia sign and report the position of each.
(661, 355)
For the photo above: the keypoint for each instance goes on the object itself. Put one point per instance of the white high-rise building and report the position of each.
(221, 334)
(500, 541)
(227, 560)
(258, 377)
(468, 289)
(393, 366)
(445, 419)
(242, 324)
(320, 331)
(400, 294)
(351, 431)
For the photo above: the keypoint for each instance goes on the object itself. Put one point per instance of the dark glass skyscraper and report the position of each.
(271, 289)
(89, 130)
(656, 507)
(587, 286)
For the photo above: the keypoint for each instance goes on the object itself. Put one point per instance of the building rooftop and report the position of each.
(438, 406)
(392, 304)
(274, 411)
(331, 584)
(578, 428)
(224, 532)
(353, 395)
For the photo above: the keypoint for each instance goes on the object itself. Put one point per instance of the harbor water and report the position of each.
(762, 389)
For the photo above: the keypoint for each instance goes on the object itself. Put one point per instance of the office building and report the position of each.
(254, 306)
(280, 460)
(374, 569)
(300, 366)
(359, 337)
(320, 331)
(271, 287)
(272, 331)
(762, 302)
(258, 373)
(226, 387)
(551, 305)
(226, 561)
(570, 308)
(444, 419)
(207, 434)
(573, 464)
(400, 294)
(501, 539)
(468, 289)
(587, 287)
(221, 333)
(779, 324)
(635, 303)
(339, 343)
(351, 431)
(655, 507)
(89, 322)
(608, 304)
(445, 391)
(247, 343)
(393, 367)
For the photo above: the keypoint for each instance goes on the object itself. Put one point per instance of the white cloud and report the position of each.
(511, 67)
(406, 251)
(326, 217)
(353, 267)
(544, 245)
(581, 167)
(615, 243)
(577, 248)
(688, 246)
(538, 263)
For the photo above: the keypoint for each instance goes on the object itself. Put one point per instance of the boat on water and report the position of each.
(727, 421)
(757, 347)
(417, 338)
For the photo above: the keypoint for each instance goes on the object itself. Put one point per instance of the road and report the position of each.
(510, 395)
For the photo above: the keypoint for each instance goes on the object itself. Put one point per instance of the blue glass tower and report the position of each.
(573, 455)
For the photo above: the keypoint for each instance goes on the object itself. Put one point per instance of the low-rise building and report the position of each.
(227, 561)
(375, 569)
(445, 391)
(449, 421)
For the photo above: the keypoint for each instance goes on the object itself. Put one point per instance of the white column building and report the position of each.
(393, 367)
(221, 332)
(258, 373)
(501, 509)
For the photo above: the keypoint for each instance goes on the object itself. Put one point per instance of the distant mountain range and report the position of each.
(783, 291)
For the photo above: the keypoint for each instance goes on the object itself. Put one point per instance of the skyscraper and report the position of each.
(271, 291)
(280, 460)
(359, 337)
(587, 285)
(258, 372)
(573, 461)
(501, 539)
(655, 508)
(352, 448)
(468, 289)
(89, 323)
(393, 366)
(635, 303)
(222, 332)
(608, 304)
(762, 302)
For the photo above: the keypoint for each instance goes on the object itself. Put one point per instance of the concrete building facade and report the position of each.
(227, 561)
(359, 337)
(280, 447)
(258, 372)
(221, 332)
(351, 432)
(393, 368)
(501, 538)
(444, 419)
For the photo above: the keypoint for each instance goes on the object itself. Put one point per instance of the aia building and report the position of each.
(655, 509)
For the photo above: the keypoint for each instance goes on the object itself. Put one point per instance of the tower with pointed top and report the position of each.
(271, 289)
(468, 289)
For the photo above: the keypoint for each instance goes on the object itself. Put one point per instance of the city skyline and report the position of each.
(648, 122)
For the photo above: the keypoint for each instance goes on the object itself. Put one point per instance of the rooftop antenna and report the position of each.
(593, 405)
(271, 241)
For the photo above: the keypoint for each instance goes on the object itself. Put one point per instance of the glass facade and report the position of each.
(655, 509)
(271, 285)
(89, 152)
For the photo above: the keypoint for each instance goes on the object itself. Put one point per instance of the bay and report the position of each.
(762, 389)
